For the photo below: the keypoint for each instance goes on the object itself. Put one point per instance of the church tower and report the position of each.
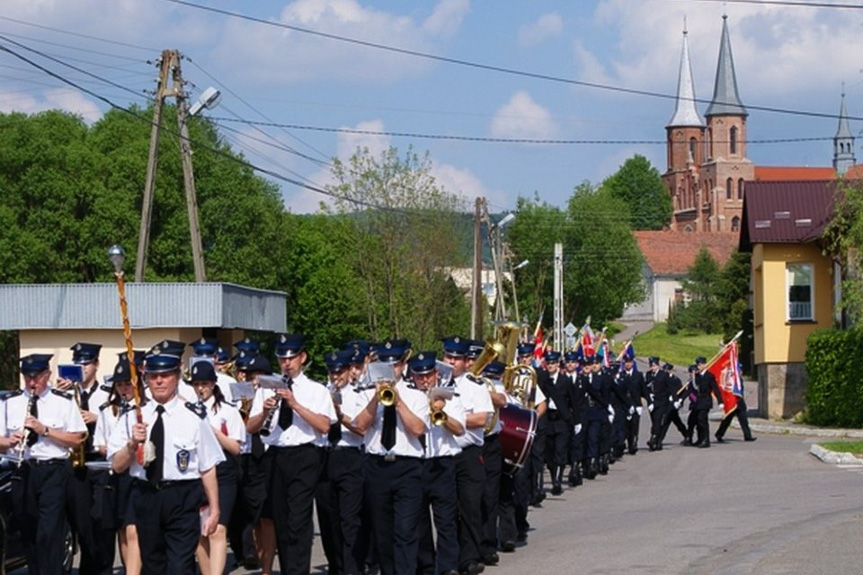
(720, 207)
(843, 142)
(684, 146)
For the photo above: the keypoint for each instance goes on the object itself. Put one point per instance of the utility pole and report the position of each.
(170, 65)
(476, 291)
(558, 297)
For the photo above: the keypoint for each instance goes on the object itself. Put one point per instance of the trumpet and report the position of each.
(31, 404)
(387, 394)
(438, 416)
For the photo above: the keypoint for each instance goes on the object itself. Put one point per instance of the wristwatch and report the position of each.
(46, 432)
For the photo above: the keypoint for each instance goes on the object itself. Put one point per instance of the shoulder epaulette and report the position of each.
(198, 409)
(127, 407)
(63, 394)
(15, 393)
(104, 405)
(412, 386)
(105, 387)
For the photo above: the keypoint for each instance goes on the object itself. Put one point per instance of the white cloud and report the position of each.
(464, 183)
(69, 100)
(447, 17)
(546, 26)
(521, 117)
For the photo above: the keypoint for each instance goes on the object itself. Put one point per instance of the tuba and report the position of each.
(491, 351)
(520, 381)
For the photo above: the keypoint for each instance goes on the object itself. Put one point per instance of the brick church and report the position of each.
(707, 162)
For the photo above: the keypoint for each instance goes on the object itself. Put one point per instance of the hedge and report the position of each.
(834, 395)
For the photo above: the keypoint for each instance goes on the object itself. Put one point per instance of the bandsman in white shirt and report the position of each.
(294, 422)
(339, 499)
(470, 468)
(41, 426)
(176, 494)
(438, 478)
(393, 469)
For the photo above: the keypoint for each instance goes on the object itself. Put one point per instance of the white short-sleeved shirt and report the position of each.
(439, 441)
(227, 420)
(105, 425)
(499, 388)
(475, 398)
(311, 395)
(406, 444)
(56, 409)
(353, 402)
(191, 447)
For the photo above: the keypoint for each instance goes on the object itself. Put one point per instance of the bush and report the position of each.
(834, 395)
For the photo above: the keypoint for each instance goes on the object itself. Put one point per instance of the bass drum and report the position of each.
(516, 436)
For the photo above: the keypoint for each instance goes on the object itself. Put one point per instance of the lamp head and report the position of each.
(506, 219)
(209, 99)
(117, 255)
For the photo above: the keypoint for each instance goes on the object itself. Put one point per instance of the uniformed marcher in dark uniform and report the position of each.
(677, 389)
(300, 415)
(691, 393)
(634, 381)
(606, 430)
(469, 465)
(41, 425)
(558, 412)
(339, 497)
(438, 545)
(623, 411)
(88, 483)
(706, 388)
(658, 403)
(597, 391)
(578, 404)
(393, 465)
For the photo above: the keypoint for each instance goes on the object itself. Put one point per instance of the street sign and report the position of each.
(570, 329)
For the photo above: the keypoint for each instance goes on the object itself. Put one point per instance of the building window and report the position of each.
(740, 189)
(735, 224)
(692, 149)
(732, 144)
(800, 292)
(729, 189)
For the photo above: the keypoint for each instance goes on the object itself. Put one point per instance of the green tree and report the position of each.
(843, 238)
(702, 285)
(402, 241)
(638, 184)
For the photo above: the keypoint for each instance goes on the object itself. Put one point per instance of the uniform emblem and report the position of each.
(283, 339)
(421, 357)
(202, 341)
(388, 345)
(183, 460)
(195, 370)
(77, 347)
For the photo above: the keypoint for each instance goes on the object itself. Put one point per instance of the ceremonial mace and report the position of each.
(117, 256)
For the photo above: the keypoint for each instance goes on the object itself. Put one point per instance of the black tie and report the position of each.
(388, 437)
(85, 400)
(286, 414)
(422, 439)
(157, 437)
(33, 437)
(335, 434)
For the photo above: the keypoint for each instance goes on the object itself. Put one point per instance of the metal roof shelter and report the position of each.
(151, 305)
(786, 212)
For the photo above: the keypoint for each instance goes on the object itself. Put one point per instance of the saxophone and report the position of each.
(78, 454)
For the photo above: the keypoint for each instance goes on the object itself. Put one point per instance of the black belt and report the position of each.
(279, 448)
(390, 457)
(168, 483)
(346, 448)
(41, 462)
(553, 415)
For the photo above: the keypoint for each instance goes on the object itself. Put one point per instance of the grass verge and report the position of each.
(679, 349)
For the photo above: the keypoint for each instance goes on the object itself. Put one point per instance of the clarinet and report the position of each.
(267, 426)
(31, 404)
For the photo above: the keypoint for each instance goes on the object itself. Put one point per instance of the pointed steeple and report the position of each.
(726, 100)
(685, 112)
(843, 141)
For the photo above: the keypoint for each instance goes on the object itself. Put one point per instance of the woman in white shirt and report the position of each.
(230, 432)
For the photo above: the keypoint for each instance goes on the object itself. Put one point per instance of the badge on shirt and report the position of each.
(183, 460)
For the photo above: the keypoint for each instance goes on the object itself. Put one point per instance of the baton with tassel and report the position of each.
(117, 255)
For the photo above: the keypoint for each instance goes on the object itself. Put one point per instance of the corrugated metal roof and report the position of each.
(70, 306)
(786, 212)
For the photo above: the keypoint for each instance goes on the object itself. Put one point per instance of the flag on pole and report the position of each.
(726, 370)
(587, 339)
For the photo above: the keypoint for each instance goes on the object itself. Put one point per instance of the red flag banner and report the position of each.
(726, 370)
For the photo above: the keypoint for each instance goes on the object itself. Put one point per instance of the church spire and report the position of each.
(726, 100)
(685, 112)
(843, 141)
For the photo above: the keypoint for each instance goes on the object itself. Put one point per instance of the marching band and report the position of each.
(414, 464)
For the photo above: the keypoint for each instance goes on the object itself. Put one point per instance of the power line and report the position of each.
(488, 67)
(797, 3)
(79, 35)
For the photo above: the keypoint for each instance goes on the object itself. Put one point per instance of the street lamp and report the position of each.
(521, 265)
(117, 255)
(209, 99)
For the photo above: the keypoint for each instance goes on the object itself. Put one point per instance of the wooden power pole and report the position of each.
(170, 70)
(476, 291)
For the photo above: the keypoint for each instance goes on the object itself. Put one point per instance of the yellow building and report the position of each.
(794, 285)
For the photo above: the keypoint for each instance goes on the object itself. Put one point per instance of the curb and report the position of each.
(833, 456)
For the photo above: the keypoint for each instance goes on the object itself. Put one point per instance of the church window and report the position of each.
(692, 148)
(732, 144)
(735, 224)
(740, 189)
(729, 189)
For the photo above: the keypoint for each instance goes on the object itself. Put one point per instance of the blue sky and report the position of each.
(787, 57)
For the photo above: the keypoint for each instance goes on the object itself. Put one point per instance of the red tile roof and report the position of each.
(785, 212)
(855, 172)
(793, 173)
(673, 252)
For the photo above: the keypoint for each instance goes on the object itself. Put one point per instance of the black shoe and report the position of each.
(473, 568)
(494, 558)
(719, 439)
(508, 546)
(521, 537)
(556, 489)
(749, 438)
(704, 444)
(686, 442)
(251, 563)
(633, 450)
